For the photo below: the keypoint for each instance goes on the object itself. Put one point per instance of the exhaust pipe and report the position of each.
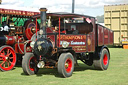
(43, 22)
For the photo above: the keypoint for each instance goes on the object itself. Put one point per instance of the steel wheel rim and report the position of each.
(68, 65)
(32, 63)
(8, 58)
(105, 59)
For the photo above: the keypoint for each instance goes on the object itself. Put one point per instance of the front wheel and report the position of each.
(103, 62)
(7, 58)
(66, 64)
(29, 64)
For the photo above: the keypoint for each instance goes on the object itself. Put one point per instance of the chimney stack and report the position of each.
(43, 21)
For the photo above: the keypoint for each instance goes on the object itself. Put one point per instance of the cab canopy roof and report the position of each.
(64, 15)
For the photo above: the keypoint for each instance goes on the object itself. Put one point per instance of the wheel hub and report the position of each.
(105, 59)
(66, 65)
(6, 58)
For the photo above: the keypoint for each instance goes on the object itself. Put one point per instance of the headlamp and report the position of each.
(65, 44)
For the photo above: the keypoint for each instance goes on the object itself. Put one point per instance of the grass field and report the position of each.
(117, 74)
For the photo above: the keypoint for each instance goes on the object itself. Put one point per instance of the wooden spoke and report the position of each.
(8, 53)
(2, 63)
(8, 64)
(2, 53)
(1, 56)
(10, 57)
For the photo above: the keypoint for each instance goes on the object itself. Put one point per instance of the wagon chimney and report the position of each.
(43, 22)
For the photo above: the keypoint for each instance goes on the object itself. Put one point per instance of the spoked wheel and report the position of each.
(29, 64)
(66, 64)
(7, 58)
(103, 62)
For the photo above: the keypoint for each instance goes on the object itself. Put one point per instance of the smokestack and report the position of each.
(73, 5)
(43, 21)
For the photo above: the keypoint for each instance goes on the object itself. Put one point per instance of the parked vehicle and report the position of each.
(63, 39)
(116, 18)
(16, 29)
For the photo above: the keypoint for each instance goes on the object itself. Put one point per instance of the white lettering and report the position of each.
(77, 43)
(74, 43)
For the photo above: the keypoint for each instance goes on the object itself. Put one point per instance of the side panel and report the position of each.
(77, 42)
(91, 42)
(105, 36)
(100, 35)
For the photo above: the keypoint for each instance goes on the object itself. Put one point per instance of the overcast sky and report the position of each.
(87, 7)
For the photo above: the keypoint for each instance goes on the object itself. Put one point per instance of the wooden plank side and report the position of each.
(105, 36)
(100, 35)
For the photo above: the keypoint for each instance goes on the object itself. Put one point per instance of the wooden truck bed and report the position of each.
(104, 35)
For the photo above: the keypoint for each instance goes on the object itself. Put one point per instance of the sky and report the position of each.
(87, 7)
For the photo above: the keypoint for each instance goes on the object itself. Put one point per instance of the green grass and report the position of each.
(117, 74)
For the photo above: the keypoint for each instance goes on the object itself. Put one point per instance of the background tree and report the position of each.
(100, 19)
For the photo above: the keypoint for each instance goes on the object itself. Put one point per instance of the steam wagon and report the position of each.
(64, 38)
(16, 29)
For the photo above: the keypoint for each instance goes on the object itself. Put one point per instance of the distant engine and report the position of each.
(16, 29)
(10, 34)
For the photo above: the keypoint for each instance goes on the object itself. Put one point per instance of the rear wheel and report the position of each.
(103, 62)
(7, 58)
(29, 64)
(66, 64)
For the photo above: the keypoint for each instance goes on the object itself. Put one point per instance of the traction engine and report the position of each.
(14, 42)
(64, 38)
